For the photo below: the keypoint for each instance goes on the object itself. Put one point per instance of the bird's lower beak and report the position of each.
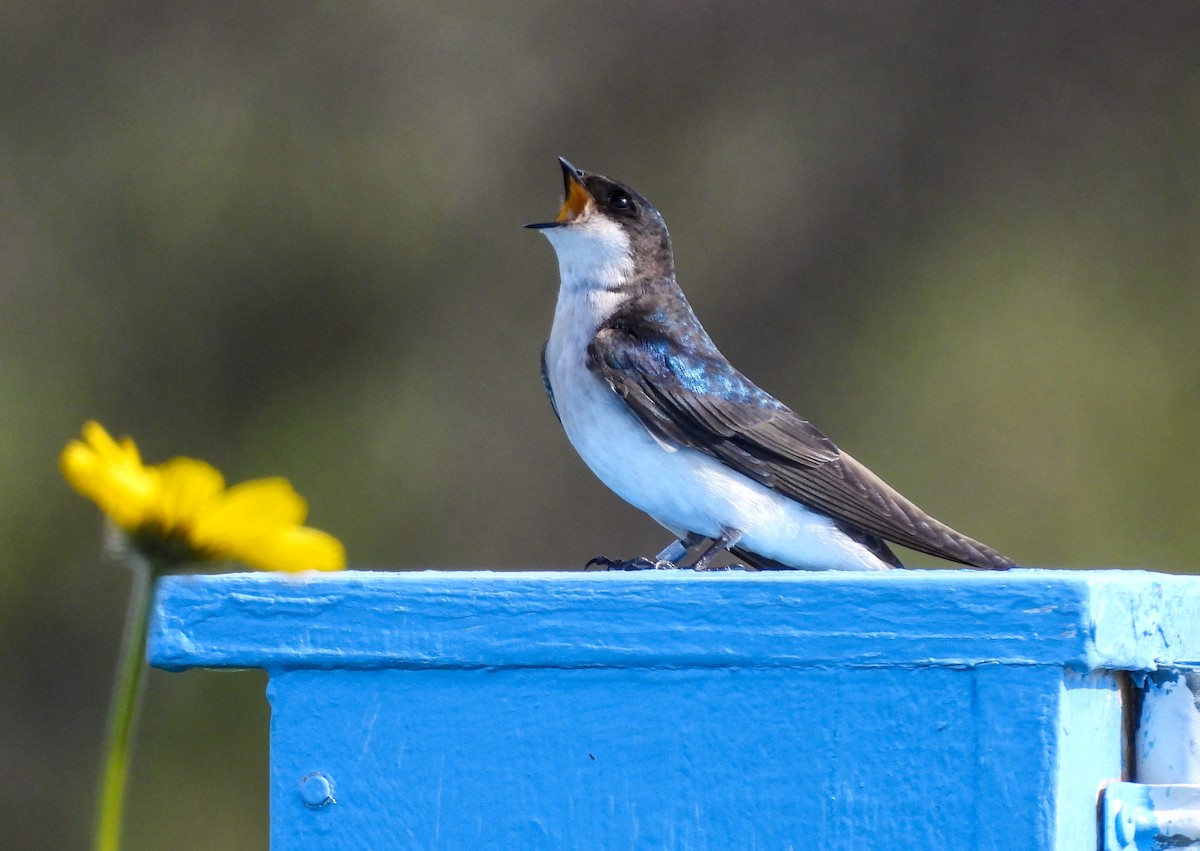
(575, 197)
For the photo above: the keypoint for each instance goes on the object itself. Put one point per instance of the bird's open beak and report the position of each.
(575, 197)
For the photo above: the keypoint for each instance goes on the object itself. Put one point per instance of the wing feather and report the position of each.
(694, 397)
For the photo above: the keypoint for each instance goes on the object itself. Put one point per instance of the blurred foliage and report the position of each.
(961, 237)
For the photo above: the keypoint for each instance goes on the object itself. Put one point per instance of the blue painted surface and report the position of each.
(942, 709)
(1151, 817)
(1168, 736)
(1089, 745)
(1099, 619)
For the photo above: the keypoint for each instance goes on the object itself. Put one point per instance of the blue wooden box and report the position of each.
(673, 710)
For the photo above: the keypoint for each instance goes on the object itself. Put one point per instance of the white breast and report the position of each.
(683, 489)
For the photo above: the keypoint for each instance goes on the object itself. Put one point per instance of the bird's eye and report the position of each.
(619, 200)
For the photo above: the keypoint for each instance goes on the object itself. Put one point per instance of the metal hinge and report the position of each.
(1144, 817)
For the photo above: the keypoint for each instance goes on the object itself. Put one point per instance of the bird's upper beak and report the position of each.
(575, 197)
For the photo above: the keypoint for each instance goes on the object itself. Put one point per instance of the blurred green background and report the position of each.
(964, 239)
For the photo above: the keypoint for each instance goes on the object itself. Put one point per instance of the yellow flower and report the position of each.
(110, 473)
(181, 511)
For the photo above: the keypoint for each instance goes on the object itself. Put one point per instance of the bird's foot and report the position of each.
(714, 567)
(724, 541)
(639, 563)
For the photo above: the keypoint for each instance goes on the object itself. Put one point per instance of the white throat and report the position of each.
(594, 255)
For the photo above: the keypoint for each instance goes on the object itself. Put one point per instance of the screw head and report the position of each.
(1127, 824)
(316, 790)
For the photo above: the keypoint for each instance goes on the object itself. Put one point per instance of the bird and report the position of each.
(663, 419)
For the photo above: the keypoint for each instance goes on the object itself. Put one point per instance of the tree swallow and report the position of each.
(663, 419)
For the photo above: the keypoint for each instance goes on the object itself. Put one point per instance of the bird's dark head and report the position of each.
(603, 221)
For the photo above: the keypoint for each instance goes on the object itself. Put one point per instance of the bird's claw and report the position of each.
(639, 563)
(644, 563)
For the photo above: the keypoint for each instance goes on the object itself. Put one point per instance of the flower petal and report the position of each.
(189, 489)
(111, 475)
(111, 451)
(296, 548)
(250, 512)
(273, 501)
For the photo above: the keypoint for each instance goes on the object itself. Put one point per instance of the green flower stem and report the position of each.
(123, 713)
